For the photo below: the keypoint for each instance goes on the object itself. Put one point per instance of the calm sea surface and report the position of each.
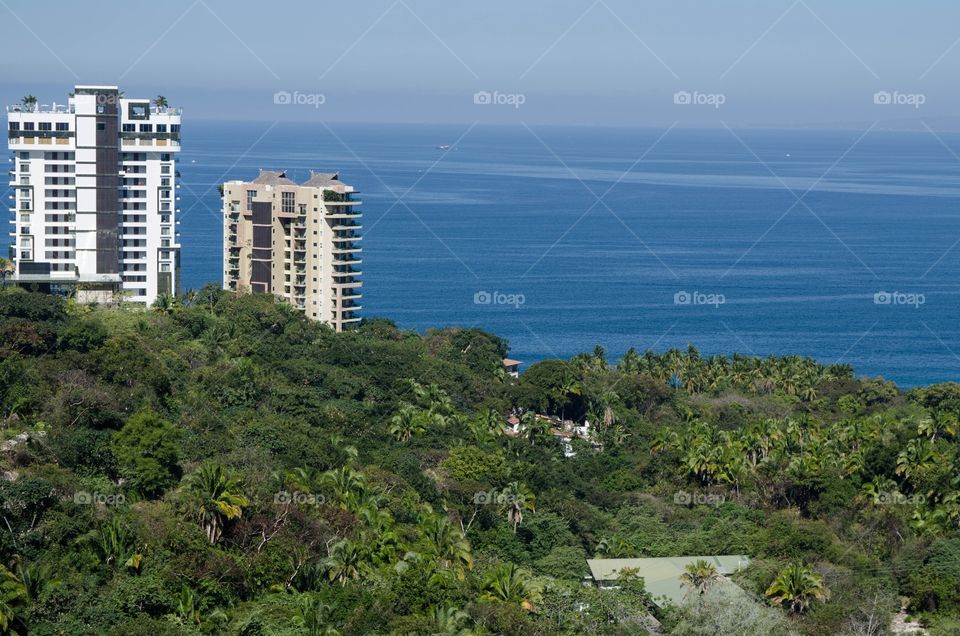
(779, 240)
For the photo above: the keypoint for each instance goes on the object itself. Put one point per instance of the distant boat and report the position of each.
(443, 147)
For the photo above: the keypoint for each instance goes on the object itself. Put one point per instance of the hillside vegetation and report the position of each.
(220, 464)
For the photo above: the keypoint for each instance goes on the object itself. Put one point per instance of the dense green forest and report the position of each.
(220, 464)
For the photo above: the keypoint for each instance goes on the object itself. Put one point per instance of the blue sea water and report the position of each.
(586, 236)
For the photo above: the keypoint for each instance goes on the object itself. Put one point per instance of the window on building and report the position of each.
(138, 110)
(287, 201)
(129, 128)
(161, 128)
(63, 126)
(28, 125)
(145, 128)
(250, 195)
(100, 124)
(14, 126)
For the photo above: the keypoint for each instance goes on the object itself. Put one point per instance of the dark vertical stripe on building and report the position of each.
(262, 257)
(108, 189)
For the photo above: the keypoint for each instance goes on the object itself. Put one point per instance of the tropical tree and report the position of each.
(915, 459)
(36, 577)
(345, 562)
(167, 304)
(445, 542)
(448, 621)
(699, 576)
(29, 101)
(214, 496)
(116, 544)
(405, 424)
(314, 616)
(796, 587)
(508, 583)
(13, 601)
(534, 428)
(615, 547)
(187, 608)
(160, 102)
(514, 500)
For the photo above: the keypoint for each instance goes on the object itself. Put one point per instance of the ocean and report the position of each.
(831, 244)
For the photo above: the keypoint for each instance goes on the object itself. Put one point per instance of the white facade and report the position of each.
(95, 195)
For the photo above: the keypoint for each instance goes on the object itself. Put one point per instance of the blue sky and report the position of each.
(604, 62)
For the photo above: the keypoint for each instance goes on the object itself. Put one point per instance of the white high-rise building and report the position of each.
(95, 195)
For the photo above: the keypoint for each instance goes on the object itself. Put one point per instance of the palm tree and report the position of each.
(13, 601)
(213, 495)
(167, 304)
(345, 562)
(348, 485)
(508, 583)
(448, 621)
(796, 587)
(513, 500)
(405, 424)
(916, 459)
(699, 576)
(116, 544)
(29, 102)
(534, 428)
(314, 616)
(446, 542)
(187, 608)
(942, 423)
(160, 102)
(615, 547)
(36, 577)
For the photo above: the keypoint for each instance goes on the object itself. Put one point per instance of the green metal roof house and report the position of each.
(662, 574)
